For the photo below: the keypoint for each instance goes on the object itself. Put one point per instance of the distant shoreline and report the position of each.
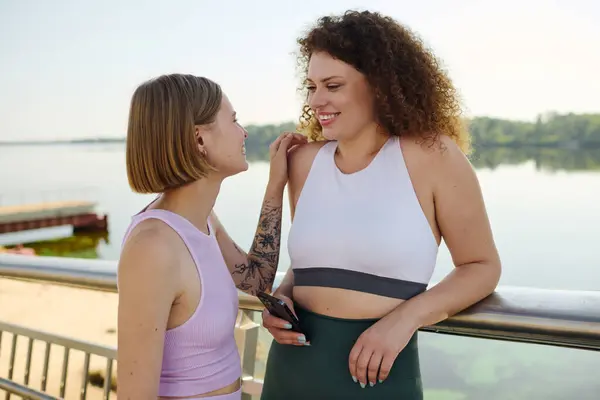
(59, 142)
(482, 146)
(549, 131)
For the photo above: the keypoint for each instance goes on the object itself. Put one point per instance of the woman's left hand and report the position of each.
(376, 349)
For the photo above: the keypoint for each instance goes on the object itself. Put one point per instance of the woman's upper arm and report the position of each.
(460, 210)
(147, 289)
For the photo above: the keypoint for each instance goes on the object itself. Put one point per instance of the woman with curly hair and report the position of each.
(383, 180)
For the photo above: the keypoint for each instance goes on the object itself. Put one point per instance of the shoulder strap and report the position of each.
(162, 215)
(324, 157)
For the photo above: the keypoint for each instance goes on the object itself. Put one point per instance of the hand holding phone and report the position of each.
(281, 321)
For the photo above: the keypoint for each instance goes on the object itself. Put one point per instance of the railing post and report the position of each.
(246, 337)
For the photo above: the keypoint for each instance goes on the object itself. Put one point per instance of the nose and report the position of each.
(317, 99)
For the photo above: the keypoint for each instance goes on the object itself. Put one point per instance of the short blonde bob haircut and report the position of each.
(162, 150)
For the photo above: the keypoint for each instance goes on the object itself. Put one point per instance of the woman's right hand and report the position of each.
(278, 153)
(280, 328)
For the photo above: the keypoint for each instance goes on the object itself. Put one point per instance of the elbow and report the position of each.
(484, 275)
(493, 274)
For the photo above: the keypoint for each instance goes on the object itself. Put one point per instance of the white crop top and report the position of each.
(363, 231)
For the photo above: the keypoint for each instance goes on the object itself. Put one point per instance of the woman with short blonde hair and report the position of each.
(179, 271)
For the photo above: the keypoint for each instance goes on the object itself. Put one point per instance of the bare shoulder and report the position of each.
(149, 257)
(453, 170)
(442, 159)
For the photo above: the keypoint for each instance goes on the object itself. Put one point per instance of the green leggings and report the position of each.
(321, 371)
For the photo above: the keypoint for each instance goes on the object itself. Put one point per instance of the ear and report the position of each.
(199, 133)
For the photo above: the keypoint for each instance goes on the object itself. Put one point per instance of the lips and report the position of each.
(327, 118)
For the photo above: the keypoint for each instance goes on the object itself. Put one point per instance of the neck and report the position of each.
(363, 145)
(194, 202)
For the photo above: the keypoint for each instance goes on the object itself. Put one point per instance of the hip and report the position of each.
(322, 371)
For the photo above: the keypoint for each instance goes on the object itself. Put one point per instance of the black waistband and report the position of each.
(359, 281)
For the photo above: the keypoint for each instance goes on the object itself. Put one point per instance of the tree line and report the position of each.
(551, 130)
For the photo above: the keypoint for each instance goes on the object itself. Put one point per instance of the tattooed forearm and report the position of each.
(257, 273)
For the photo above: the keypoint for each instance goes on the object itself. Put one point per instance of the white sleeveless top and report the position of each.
(363, 231)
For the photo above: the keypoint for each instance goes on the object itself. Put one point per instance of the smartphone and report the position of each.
(278, 308)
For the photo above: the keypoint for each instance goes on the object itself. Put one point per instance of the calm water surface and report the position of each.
(545, 215)
(546, 222)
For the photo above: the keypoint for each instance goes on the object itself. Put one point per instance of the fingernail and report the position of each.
(307, 344)
(380, 381)
(371, 384)
(301, 339)
(362, 385)
(354, 379)
(288, 326)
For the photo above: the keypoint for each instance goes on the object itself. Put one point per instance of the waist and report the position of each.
(327, 331)
(232, 391)
(358, 281)
(185, 374)
(343, 303)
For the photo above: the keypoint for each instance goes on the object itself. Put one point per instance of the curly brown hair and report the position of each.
(413, 94)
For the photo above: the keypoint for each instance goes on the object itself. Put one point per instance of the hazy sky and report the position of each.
(68, 67)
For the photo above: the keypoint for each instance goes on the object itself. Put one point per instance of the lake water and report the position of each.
(545, 215)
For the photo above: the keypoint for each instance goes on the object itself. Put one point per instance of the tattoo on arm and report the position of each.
(258, 272)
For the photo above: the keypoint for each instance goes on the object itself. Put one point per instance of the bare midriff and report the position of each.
(344, 303)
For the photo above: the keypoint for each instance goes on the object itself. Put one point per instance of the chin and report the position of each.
(330, 134)
(233, 170)
(243, 167)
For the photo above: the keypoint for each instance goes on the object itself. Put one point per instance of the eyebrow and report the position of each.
(325, 79)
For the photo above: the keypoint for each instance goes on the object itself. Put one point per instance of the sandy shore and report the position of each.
(77, 313)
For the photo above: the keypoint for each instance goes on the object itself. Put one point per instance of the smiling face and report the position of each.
(223, 141)
(339, 96)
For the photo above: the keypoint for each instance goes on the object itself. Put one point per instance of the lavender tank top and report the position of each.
(200, 355)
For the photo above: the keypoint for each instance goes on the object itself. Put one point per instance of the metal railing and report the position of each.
(100, 276)
(26, 393)
(542, 316)
(68, 345)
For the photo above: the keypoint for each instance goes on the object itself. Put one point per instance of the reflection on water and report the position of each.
(545, 159)
(80, 245)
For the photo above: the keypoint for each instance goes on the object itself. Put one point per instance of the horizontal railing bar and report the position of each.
(546, 316)
(64, 341)
(84, 273)
(540, 339)
(24, 391)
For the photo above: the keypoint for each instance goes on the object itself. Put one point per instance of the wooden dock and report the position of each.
(79, 214)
